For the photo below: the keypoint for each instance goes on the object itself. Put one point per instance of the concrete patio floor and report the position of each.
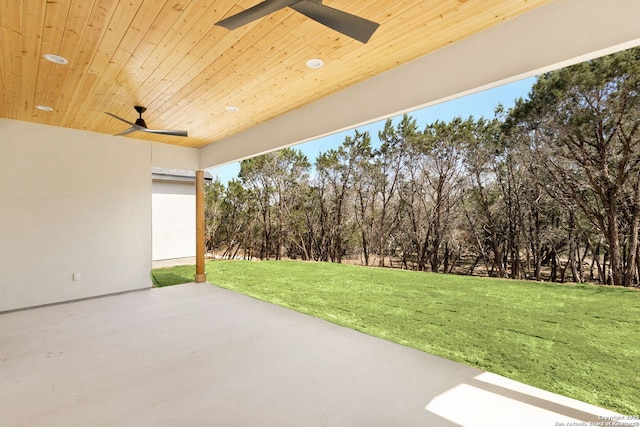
(198, 355)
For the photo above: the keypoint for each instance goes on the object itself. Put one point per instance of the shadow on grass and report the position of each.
(164, 278)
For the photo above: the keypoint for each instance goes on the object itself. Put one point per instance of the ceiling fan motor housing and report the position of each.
(140, 121)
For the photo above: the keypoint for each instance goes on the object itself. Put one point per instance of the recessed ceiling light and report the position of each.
(55, 59)
(232, 108)
(315, 63)
(44, 108)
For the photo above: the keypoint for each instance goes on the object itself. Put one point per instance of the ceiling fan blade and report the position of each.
(127, 131)
(139, 127)
(165, 132)
(122, 120)
(255, 12)
(350, 25)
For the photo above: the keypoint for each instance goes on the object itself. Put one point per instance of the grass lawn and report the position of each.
(580, 341)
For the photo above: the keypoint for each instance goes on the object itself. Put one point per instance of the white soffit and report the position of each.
(561, 33)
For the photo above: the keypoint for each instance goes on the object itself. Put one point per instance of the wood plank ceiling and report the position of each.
(168, 56)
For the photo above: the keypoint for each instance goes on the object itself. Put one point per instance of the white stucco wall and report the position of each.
(71, 202)
(173, 220)
(173, 156)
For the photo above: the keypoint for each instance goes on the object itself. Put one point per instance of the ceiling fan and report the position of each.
(350, 25)
(141, 126)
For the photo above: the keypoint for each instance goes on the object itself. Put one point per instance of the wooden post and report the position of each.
(201, 276)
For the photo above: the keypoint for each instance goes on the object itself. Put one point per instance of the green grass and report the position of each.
(580, 341)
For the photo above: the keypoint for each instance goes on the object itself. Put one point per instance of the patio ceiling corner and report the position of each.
(555, 35)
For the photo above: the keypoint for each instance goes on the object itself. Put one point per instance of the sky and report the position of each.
(481, 104)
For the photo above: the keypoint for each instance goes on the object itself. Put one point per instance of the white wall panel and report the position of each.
(71, 202)
(174, 220)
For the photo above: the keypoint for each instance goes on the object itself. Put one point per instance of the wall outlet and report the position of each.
(77, 277)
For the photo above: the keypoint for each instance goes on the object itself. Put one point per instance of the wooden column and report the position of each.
(201, 276)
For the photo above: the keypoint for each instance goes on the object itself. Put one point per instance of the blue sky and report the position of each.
(481, 104)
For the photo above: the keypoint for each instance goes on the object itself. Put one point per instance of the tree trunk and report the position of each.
(638, 264)
(630, 268)
(554, 266)
(445, 261)
(473, 266)
(615, 259)
(573, 248)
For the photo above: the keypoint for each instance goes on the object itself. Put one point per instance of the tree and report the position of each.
(388, 165)
(443, 172)
(585, 120)
(336, 171)
(274, 180)
(363, 191)
(213, 201)
(486, 217)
